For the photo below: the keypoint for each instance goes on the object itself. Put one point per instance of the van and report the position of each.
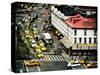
(47, 38)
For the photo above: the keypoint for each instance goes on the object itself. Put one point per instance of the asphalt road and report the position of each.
(53, 65)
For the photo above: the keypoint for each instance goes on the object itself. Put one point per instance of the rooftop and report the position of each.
(66, 10)
(82, 10)
(78, 21)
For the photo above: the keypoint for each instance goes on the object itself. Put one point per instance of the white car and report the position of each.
(74, 64)
(33, 43)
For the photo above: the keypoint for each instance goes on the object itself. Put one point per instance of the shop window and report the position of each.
(75, 32)
(89, 40)
(84, 40)
(84, 32)
(80, 40)
(74, 40)
(95, 32)
(95, 40)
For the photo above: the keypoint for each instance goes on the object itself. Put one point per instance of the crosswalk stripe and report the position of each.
(61, 58)
(57, 58)
(51, 58)
(54, 59)
(48, 57)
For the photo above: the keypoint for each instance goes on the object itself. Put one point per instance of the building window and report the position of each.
(89, 40)
(95, 32)
(80, 40)
(84, 40)
(75, 32)
(84, 32)
(89, 12)
(74, 40)
(86, 23)
(95, 41)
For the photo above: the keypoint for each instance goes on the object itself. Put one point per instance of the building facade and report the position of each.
(80, 33)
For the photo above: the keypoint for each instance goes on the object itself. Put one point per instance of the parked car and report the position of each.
(58, 35)
(47, 38)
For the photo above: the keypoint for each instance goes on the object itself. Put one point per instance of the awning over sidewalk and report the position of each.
(67, 43)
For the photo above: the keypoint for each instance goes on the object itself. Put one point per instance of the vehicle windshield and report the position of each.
(50, 40)
(33, 41)
(75, 63)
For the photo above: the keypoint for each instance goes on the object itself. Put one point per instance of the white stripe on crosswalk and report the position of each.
(51, 58)
(57, 58)
(62, 59)
(47, 57)
(54, 59)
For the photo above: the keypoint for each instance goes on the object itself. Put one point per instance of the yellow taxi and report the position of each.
(35, 32)
(43, 48)
(82, 61)
(72, 61)
(26, 32)
(29, 39)
(37, 49)
(35, 35)
(31, 62)
(25, 41)
(28, 36)
(40, 55)
(40, 43)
